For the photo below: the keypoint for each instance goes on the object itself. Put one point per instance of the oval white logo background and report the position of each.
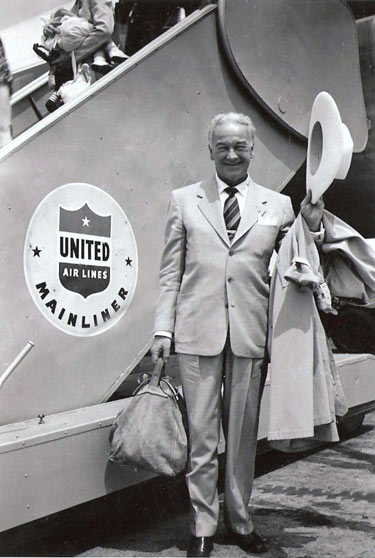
(80, 259)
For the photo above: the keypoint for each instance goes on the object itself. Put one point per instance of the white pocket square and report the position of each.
(266, 220)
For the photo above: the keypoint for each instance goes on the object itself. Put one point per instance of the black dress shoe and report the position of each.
(200, 546)
(252, 543)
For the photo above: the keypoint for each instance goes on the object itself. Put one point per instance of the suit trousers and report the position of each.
(223, 389)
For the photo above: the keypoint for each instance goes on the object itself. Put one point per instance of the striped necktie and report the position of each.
(232, 214)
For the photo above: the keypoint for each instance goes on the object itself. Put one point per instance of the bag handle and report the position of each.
(156, 373)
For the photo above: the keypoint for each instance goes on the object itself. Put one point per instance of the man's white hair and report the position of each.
(237, 118)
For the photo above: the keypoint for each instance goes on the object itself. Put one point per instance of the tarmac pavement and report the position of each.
(314, 505)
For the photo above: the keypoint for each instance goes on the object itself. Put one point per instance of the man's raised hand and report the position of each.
(312, 213)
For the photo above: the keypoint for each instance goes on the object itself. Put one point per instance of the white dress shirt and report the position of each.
(241, 194)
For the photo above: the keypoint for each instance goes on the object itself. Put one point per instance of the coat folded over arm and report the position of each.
(306, 393)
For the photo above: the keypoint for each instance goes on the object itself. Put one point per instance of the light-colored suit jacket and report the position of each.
(210, 285)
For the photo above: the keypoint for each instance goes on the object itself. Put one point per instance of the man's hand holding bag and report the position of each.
(149, 432)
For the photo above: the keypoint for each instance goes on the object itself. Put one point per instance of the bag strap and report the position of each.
(156, 373)
(74, 64)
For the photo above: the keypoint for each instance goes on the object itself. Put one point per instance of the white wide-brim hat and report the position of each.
(330, 146)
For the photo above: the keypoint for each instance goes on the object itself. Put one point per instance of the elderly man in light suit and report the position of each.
(220, 236)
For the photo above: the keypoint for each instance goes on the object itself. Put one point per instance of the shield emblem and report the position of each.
(84, 250)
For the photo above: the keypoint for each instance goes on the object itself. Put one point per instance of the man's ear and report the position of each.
(211, 154)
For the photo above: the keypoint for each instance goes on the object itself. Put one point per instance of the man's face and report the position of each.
(231, 150)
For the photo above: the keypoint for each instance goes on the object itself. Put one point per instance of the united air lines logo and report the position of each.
(84, 250)
(80, 259)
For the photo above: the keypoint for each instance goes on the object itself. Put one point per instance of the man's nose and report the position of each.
(232, 154)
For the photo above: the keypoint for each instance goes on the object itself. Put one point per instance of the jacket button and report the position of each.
(230, 279)
(231, 253)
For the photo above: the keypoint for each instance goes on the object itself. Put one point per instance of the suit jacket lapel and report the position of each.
(253, 206)
(210, 206)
